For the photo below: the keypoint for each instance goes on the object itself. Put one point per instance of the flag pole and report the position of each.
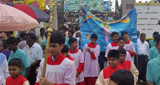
(52, 4)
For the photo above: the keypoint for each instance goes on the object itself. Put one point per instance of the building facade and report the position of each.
(127, 5)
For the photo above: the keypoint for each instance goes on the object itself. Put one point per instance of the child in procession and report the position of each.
(104, 76)
(129, 45)
(114, 44)
(127, 65)
(91, 52)
(60, 70)
(77, 55)
(65, 52)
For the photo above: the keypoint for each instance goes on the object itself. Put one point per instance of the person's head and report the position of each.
(113, 57)
(9, 33)
(1, 45)
(115, 36)
(122, 55)
(157, 39)
(155, 34)
(138, 33)
(42, 31)
(12, 43)
(31, 39)
(124, 35)
(121, 42)
(61, 30)
(23, 35)
(121, 77)
(65, 50)
(94, 38)
(56, 43)
(142, 37)
(70, 33)
(15, 67)
(73, 43)
(4, 44)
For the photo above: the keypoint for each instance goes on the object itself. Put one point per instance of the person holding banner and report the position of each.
(114, 44)
(91, 67)
(59, 70)
(129, 45)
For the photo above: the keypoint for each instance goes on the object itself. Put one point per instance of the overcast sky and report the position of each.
(113, 2)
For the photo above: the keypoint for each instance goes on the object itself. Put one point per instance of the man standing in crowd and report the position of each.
(152, 42)
(35, 54)
(143, 51)
(153, 68)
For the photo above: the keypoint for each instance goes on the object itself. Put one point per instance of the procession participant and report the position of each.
(122, 77)
(65, 52)
(104, 76)
(114, 44)
(128, 65)
(60, 70)
(91, 67)
(129, 45)
(77, 55)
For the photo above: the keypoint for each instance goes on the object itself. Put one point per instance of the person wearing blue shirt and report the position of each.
(70, 35)
(153, 53)
(18, 53)
(152, 42)
(153, 68)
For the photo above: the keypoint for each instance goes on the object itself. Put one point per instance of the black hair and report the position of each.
(94, 36)
(4, 44)
(114, 33)
(57, 37)
(120, 38)
(122, 77)
(23, 34)
(65, 49)
(32, 36)
(124, 32)
(143, 34)
(72, 40)
(15, 62)
(122, 51)
(42, 29)
(46, 34)
(71, 31)
(155, 33)
(12, 40)
(157, 39)
(113, 54)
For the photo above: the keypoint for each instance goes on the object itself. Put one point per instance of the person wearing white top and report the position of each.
(35, 54)
(3, 65)
(143, 51)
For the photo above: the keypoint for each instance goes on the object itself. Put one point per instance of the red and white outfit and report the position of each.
(130, 47)
(128, 65)
(111, 46)
(70, 58)
(77, 55)
(91, 66)
(105, 74)
(61, 71)
(20, 80)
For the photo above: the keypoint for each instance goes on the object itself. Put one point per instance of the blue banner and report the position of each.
(89, 24)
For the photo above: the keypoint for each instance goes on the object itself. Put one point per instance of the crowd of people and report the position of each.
(22, 60)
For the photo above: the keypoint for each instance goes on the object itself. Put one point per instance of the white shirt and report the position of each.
(143, 48)
(34, 53)
(3, 70)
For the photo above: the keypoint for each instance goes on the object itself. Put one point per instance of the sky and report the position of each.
(113, 2)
